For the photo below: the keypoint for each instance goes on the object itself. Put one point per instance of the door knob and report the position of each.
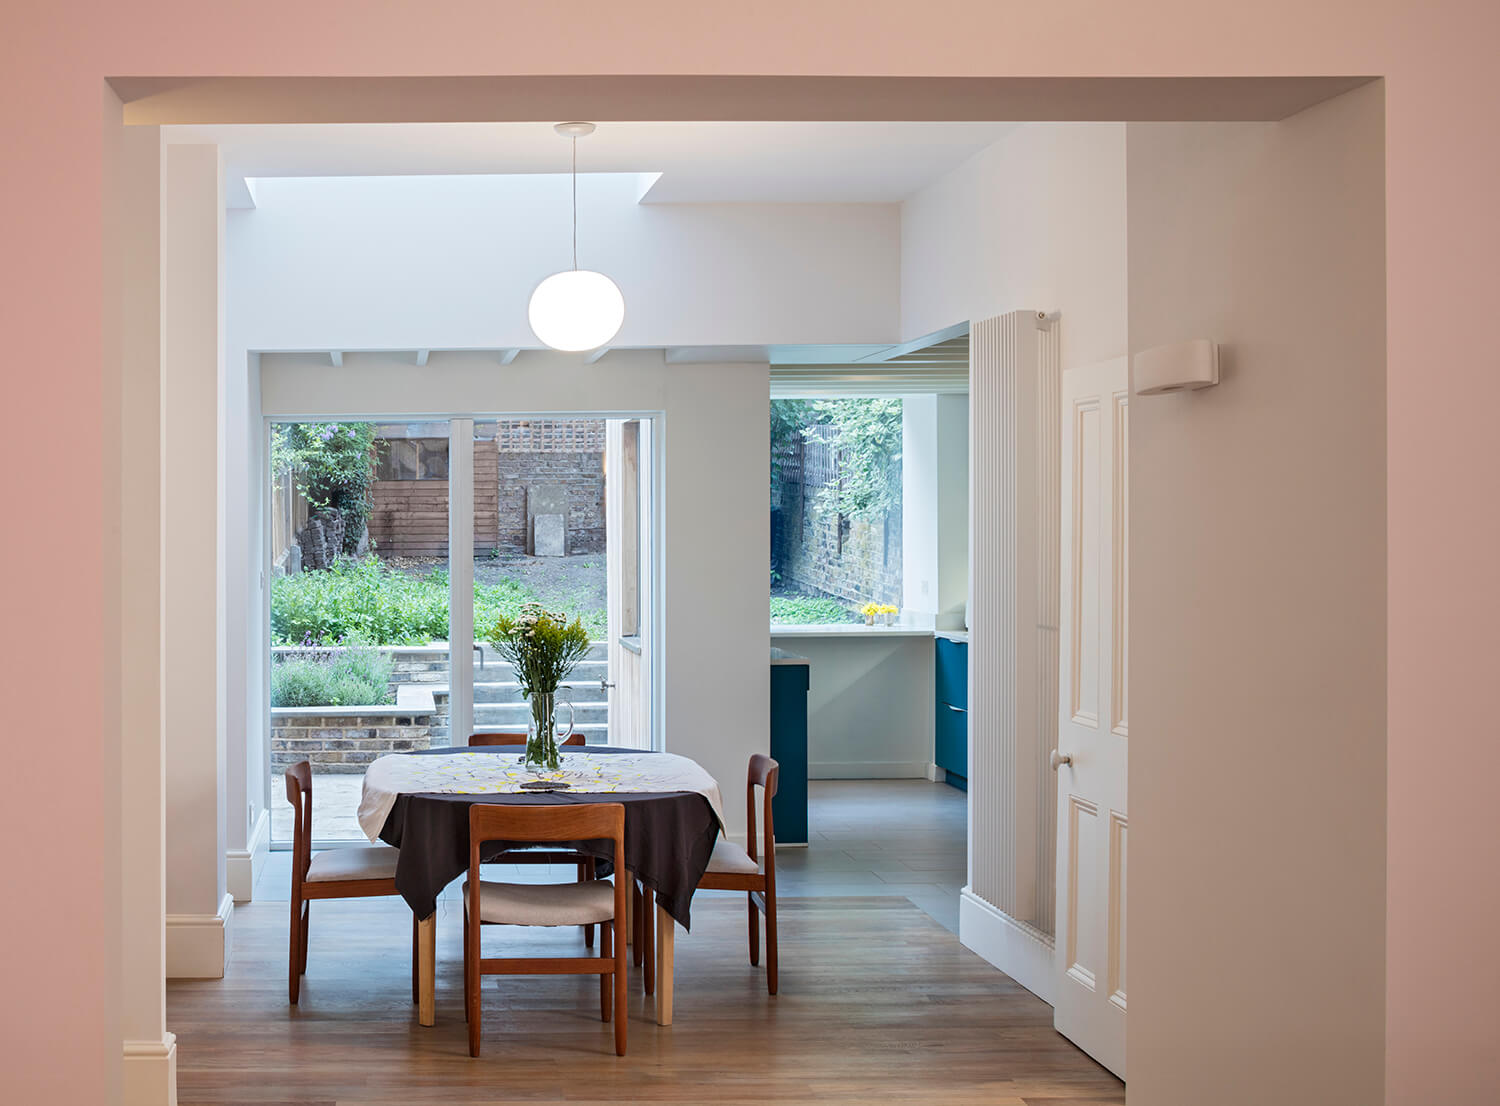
(1057, 759)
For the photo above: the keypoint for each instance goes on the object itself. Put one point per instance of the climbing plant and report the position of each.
(334, 466)
(866, 438)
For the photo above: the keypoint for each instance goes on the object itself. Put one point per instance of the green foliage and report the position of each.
(541, 645)
(334, 464)
(808, 611)
(869, 455)
(865, 435)
(349, 677)
(363, 600)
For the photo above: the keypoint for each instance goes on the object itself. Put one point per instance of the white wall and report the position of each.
(715, 444)
(869, 706)
(409, 262)
(1257, 607)
(1036, 220)
(952, 419)
(935, 508)
(193, 519)
(919, 505)
(149, 1067)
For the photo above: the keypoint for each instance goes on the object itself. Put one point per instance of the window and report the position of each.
(411, 459)
(835, 508)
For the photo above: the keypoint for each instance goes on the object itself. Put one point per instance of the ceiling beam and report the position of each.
(422, 358)
(508, 355)
(596, 355)
(337, 357)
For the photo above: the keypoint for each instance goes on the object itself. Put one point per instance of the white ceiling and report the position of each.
(698, 162)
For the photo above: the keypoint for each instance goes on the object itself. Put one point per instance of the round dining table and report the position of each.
(419, 802)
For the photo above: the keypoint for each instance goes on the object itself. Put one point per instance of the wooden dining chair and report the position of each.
(594, 902)
(732, 868)
(511, 737)
(585, 864)
(352, 872)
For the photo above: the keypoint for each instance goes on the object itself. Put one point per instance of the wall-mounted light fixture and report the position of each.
(1178, 367)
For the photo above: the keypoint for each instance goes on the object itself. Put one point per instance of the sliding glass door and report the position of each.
(396, 545)
(359, 597)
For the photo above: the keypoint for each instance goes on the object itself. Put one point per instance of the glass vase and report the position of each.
(542, 738)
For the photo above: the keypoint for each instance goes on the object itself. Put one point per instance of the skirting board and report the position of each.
(867, 770)
(1016, 949)
(242, 867)
(936, 774)
(148, 1076)
(198, 944)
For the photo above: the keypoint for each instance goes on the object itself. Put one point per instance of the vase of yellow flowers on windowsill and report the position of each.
(882, 611)
(543, 648)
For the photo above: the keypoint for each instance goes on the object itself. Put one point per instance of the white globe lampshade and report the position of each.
(576, 310)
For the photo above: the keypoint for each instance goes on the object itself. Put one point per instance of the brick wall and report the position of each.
(822, 552)
(580, 475)
(342, 742)
(865, 567)
(409, 518)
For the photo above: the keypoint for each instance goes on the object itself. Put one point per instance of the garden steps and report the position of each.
(598, 653)
(515, 715)
(508, 691)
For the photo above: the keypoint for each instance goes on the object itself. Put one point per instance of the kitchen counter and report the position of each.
(849, 630)
(858, 630)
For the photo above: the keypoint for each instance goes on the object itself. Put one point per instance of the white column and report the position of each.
(148, 1071)
(920, 582)
(460, 581)
(246, 822)
(951, 418)
(935, 508)
(198, 908)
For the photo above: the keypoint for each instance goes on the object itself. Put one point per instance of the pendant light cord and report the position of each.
(575, 203)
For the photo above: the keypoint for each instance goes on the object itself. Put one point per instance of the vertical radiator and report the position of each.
(1014, 430)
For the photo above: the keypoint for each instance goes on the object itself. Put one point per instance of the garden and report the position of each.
(835, 509)
(336, 623)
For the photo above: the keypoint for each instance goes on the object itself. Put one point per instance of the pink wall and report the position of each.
(1443, 239)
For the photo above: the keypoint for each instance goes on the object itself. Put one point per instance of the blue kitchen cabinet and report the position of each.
(789, 686)
(951, 730)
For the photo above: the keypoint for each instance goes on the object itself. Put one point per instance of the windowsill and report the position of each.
(631, 643)
(848, 629)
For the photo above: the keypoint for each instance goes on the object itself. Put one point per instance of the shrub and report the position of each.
(363, 600)
(353, 676)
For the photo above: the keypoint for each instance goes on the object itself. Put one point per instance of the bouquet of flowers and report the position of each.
(543, 647)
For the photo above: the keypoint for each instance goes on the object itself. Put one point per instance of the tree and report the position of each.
(334, 466)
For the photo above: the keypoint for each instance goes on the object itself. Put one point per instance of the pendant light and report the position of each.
(576, 309)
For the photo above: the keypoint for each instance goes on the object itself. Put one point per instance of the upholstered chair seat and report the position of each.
(545, 904)
(729, 857)
(354, 862)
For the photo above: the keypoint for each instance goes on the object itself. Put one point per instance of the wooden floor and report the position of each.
(878, 1003)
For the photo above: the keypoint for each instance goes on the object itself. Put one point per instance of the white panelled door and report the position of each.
(1092, 842)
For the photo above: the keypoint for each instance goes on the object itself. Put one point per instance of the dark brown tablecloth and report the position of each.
(668, 837)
